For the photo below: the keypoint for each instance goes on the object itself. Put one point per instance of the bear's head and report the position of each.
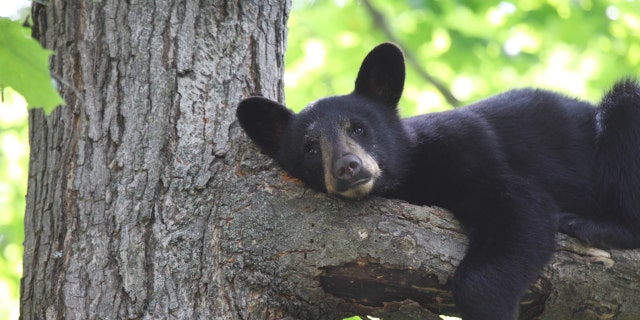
(351, 145)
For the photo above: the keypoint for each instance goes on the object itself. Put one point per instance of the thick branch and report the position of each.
(394, 260)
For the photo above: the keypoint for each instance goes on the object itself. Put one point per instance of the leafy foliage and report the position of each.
(14, 153)
(477, 48)
(24, 66)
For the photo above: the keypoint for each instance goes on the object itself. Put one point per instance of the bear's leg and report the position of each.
(601, 233)
(617, 173)
(490, 285)
(506, 254)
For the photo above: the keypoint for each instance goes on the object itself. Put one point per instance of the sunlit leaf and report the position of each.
(24, 66)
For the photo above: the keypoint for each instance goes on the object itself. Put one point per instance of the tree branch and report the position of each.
(381, 22)
(390, 259)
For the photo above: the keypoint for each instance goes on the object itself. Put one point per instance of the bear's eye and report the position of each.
(311, 149)
(357, 130)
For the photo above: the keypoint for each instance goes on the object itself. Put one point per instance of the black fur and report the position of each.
(513, 168)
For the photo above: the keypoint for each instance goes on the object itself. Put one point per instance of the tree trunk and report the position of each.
(146, 201)
(132, 184)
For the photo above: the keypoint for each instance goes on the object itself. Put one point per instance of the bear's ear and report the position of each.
(381, 75)
(264, 121)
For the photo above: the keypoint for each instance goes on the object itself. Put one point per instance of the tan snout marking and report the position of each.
(347, 145)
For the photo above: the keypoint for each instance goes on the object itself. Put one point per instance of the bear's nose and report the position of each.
(346, 167)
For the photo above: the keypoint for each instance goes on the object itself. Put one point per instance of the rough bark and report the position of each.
(128, 197)
(146, 201)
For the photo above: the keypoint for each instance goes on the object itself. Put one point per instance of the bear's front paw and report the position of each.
(584, 229)
(572, 224)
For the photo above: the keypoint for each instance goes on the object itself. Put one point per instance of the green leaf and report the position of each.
(24, 66)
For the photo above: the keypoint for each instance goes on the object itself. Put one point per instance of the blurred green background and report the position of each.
(474, 48)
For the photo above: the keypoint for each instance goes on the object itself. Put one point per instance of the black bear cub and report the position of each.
(514, 169)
